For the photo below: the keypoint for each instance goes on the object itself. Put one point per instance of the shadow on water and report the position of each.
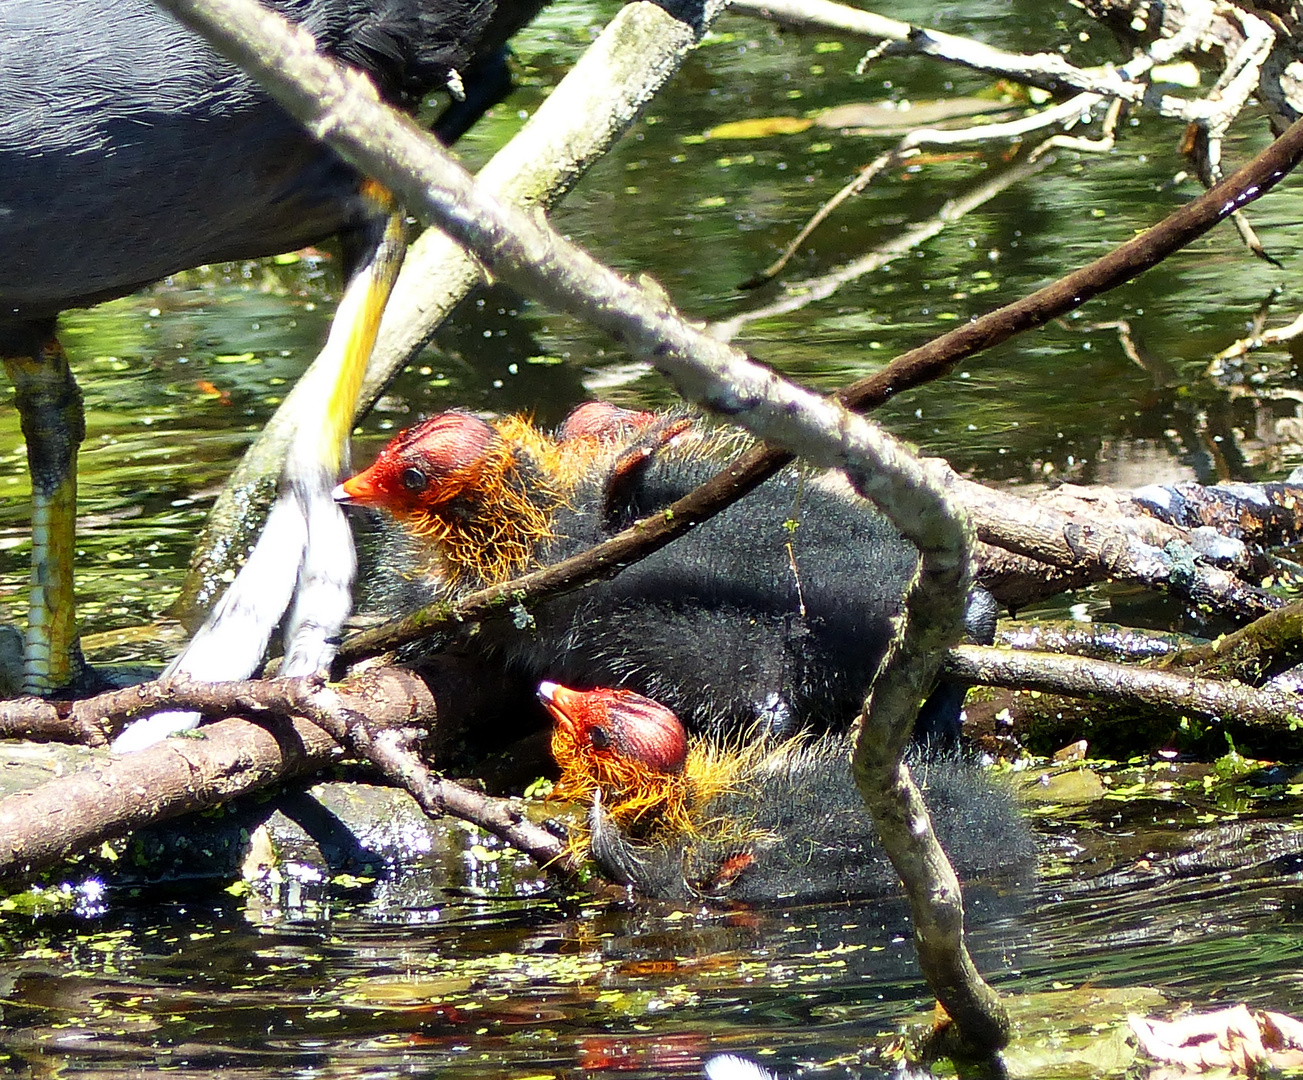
(477, 970)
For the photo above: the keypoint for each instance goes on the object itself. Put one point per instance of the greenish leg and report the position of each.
(53, 422)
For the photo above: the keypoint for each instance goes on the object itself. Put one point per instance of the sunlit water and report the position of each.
(479, 982)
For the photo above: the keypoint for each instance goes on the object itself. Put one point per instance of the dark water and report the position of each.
(481, 982)
(1164, 900)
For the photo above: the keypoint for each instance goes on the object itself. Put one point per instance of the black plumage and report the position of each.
(129, 149)
(772, 616)
(774, 612)
(760, 823)
(792, 828)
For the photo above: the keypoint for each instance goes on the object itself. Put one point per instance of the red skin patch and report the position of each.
(620, 722)
(601, 420)
(424, 466)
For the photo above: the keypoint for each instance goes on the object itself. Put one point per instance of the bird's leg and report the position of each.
(303, 561)
(323, 596)
(54, 424)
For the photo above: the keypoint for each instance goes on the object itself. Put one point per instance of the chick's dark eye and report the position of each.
(412, 479)
(599, 737)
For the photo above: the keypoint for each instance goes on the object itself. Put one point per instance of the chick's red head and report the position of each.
(617, 724)
(423, 467)
(627, 747)
(602, 421)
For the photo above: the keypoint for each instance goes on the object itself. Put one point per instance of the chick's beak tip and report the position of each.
(357, 490)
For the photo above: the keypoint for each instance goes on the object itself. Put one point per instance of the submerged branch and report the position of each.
(1251, 649)
(800, 294)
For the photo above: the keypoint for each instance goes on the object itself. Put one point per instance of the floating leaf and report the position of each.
(897, 118)
(1183, 73)
(212, 390)
(1233, 1039)
(761, 127)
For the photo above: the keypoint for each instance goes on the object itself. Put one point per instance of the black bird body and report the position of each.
(773, 616)
(791, 828)
(774, 612)
(762, 823)
(129, 150)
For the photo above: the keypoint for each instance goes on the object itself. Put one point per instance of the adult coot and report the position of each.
(130, 150)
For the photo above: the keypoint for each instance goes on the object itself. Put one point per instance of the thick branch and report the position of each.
(74, 813)
(1088, 547)
(379, 716)
(1076, 676)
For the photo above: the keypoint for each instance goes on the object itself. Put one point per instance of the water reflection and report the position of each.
(489, 985)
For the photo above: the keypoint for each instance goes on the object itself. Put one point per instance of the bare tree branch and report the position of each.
(380, 716)
(1077, 676)
(74, 813)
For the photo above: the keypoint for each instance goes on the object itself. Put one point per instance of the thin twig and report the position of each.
(951, 212)
(800, 294)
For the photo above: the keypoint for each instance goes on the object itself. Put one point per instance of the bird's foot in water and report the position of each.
(86, 680)
(20, 671)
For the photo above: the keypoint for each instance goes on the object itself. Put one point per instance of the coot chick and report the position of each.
(757, 824)
(779, 607)
(130, 150)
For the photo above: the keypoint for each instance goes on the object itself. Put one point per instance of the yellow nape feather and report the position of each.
(651, 805)
(489, 532)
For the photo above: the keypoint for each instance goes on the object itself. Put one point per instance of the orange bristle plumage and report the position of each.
(483, 495)
(634, 751)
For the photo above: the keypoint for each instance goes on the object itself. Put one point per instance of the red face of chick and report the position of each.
(619, 723)
(423, 467)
